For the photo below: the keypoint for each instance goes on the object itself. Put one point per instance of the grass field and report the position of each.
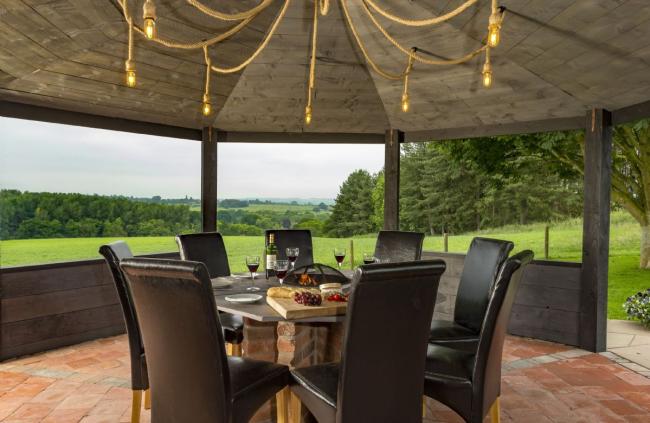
(565, 244)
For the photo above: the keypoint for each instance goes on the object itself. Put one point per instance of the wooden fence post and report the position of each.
(351, 254)
(546, 239)
(445, 242)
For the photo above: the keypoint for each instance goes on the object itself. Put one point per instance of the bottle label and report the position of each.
(270, 261)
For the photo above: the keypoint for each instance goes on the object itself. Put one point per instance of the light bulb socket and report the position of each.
(149, 10)
(308, 115)
(129, 65)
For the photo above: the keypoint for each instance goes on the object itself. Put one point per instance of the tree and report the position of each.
(353, 209)
(630, 170)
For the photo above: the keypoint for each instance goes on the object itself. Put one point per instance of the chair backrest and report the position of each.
(482, 264)
(113, 253)
(207, 248)
(186, 355)
(396, 246)
(289, 238)
(385, 342)
(487, 369)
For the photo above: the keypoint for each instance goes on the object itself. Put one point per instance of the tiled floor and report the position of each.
(630, 341)
(542, 382)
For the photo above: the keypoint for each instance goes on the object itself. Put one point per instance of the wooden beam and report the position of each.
(304, 137)
(393, 140)
(47, 114)
(595, 237)
(631, 113)
(548, 125)
(208, 181)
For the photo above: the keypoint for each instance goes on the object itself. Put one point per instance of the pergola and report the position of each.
(562, 64)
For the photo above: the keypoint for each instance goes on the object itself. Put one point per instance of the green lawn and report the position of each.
(565, 244)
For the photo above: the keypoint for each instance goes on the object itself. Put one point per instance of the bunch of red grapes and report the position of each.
(307, 298)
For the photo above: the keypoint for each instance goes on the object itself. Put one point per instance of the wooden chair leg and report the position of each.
(228, 348)
(236, 350)
(147, 399)
(283, 398)
(296, 409)
(495, 411)
(136, 404)
(424, 406)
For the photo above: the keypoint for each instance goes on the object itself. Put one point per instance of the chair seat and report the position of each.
(453, 335)
(317, 387)
(233, 328)
(252, 383)
(448, 362)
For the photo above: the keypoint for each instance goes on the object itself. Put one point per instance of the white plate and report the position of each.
(243, 298)
(221, 283)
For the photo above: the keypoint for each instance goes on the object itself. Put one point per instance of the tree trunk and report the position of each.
(645, 247)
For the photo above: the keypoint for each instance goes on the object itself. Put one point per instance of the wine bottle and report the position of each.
(271, 256)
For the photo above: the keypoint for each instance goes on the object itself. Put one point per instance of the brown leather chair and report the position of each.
(114, 253)
(192, 378)
(396, 246)
(208, 248)
(470, 382)
(482, 265)
(379, 378)
(288, 238)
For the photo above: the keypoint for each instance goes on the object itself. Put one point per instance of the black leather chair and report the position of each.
(209, 249)
(396, 246)
(192, 378)
(379, 378)
(114, 253)
(288, 238)
(470, 382)
(482, 264)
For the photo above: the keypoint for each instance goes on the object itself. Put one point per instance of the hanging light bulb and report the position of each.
(405, 102)
(487, 75)
(307, 115)
(149, 17)
(206, 108)
(130, 73)
(494, 27)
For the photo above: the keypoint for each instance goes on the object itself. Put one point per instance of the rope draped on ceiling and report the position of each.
(321, 7)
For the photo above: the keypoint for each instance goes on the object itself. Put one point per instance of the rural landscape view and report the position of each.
(506, 187)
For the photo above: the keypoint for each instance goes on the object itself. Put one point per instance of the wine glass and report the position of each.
(292, 255)
(253, 263)
(339, 255)
(369, 258)
(281, 268)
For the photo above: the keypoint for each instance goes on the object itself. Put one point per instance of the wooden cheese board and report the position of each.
(289, 309)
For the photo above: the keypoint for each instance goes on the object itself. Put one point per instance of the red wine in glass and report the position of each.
(339, 258)
(253, 267)
(339, 255)
(281, 273)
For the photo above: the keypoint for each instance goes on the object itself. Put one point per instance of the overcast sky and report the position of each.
(36, 156)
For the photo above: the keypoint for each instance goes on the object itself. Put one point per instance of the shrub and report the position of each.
(637, 307)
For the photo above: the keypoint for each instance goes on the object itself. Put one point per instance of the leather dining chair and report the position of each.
(289, 238)
(193, 379)
(396, 246)
(470, 382)
(482, 264)
(113, 253)
(379, 378)
(208, 248)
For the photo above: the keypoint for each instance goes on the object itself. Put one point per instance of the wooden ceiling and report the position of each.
(557, 59)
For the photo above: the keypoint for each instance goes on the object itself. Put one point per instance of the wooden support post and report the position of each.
(208, 181)
(595, 238)
(394, 138)
(546, 241)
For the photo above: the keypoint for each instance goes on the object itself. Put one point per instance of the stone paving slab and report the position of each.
(542, 382)
(631, 341)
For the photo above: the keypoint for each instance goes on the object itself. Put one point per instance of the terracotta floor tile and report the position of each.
(622, 407)
(64, 416)
(32, 410)
(79, 401)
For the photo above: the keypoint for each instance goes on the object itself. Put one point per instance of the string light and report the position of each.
(206, 107)
(405, 102)
(494, 25)
(307, 115)
(487, 70)
(405, 93)
(149, 17)
(129, 66)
